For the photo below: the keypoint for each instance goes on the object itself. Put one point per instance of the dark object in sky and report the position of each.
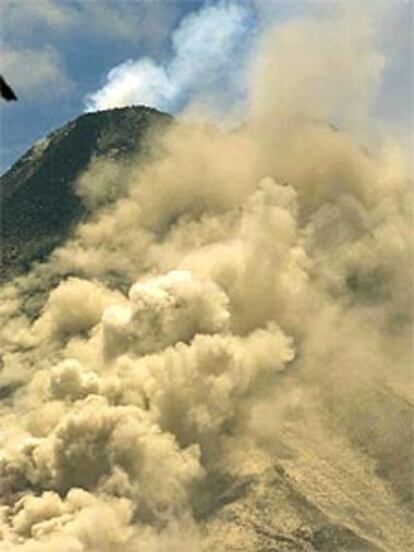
(6, 92)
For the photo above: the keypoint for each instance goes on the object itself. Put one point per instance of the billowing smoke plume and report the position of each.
(205, 48)
(233, 292)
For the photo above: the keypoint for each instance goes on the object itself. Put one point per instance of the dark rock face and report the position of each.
(38, 201)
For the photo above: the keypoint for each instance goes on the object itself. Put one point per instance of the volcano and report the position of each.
(200, 410)
(39, 203)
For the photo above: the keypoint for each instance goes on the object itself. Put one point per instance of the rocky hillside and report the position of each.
(39, 204)
(299, 459)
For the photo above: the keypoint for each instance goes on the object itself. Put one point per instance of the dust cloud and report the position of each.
(227, 285)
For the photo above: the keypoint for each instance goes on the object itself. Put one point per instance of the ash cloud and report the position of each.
(233, 278)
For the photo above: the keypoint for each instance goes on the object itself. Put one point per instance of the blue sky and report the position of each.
(67, 56)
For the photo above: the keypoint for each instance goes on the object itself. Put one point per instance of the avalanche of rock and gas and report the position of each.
(204, 275)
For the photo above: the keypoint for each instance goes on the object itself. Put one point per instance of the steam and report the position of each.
(204, 49)
(222, 278)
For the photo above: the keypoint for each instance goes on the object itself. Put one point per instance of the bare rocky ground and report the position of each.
(323, 496)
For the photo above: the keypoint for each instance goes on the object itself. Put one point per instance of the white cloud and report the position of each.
(131, 82)
(21, 17)
(132, 21)
(204, 47)
(35, 70)
(204, 44)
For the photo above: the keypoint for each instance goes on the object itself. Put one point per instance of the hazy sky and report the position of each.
(64, 57)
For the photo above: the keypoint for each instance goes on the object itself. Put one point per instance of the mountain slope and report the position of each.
(39, 204)
(115, 403)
